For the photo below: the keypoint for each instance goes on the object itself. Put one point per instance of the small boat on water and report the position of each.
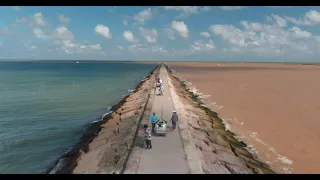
(77, 62)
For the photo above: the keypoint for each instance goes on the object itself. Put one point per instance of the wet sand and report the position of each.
(273, 107)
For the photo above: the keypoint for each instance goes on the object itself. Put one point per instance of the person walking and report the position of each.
(147, 135)
(161, 89)
(174, 119)
(153, 120)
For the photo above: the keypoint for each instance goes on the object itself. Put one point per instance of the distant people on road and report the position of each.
(153, 120)
(161, 89)
(158, 84)
(174, 119)
(147, 135)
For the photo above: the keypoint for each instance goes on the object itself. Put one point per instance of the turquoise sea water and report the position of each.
(45, 107)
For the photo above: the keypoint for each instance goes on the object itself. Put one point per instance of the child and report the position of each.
(147, 135)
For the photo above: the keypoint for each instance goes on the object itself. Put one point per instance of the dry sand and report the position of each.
(273, 107)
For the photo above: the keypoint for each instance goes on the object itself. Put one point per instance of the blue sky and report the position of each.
(190, 33)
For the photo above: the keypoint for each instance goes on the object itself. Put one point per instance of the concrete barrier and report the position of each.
(132, 164)
(193, 160)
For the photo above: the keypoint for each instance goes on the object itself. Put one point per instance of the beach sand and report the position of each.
(273, 107)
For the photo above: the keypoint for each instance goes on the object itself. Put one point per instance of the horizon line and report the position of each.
(158, 61)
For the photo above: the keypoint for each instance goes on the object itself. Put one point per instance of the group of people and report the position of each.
(148, 133)
(154, 119)
(161, 88)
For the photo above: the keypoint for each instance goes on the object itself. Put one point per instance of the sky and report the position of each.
(181, 33)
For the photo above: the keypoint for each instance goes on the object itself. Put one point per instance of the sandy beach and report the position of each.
(272, 107)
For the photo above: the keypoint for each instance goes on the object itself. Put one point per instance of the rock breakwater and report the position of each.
(105, 146)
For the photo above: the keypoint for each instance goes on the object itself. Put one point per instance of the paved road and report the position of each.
(167, 155)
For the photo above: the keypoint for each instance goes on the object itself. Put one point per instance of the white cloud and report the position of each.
(180, 28)
(205, 8)
(280, 6)
(16, 8)
(148, 49)
(128, 36)
(254, 26)
(143, 16)
(186, 11)
(39, 33)
(205, 34)
(231, 8)
(22, 20)
(170, 33)
(64, 19)
(30, 46)
(267, 39)
(67, 46)
(298, 33)
(34, 20)
(281, 22)
(124, 22)
(202, 46)
(60, 33)
(311, 17)
(304, 22)
(71, 47)
(4, 31)
(280, 35)
(103, 31)
(111, 10)
(61, 37)
(63, 33)
(39, 19)
(120, 47)
(95, 46)
(150, 35)
(229, 33)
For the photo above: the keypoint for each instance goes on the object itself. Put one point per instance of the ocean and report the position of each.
(273, 107)
(46, 106)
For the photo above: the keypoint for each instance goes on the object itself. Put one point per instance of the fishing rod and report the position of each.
(162, 115)
(162, 112)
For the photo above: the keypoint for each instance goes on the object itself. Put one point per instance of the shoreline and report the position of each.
(224, 137)
(68, 161)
